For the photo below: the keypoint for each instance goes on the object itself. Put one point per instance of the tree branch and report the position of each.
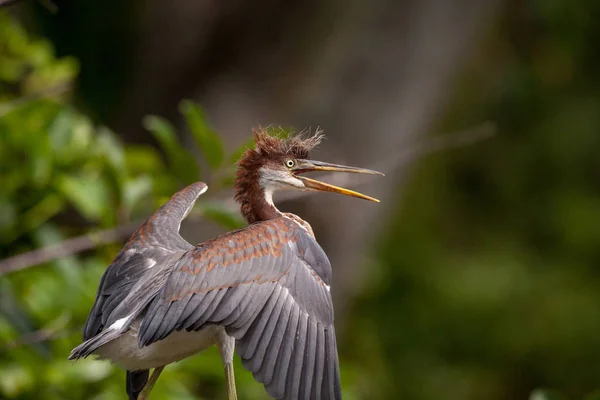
(6, 3)
(67, 248)
(55, 329)
(53, 8)
(55, 90)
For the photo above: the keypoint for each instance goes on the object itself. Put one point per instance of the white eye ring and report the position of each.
(290, 163)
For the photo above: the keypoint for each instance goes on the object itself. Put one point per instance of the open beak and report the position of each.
(304, 166)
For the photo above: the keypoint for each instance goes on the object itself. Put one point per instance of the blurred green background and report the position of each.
(481, 276)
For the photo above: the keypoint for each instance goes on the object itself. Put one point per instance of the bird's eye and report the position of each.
(290, 163)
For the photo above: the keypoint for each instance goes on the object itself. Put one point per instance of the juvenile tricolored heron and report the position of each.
(263, 289)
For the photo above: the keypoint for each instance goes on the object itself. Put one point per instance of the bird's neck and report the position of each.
(257, 204)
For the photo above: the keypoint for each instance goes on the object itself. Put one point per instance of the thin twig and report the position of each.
(93, 240)
(55, 329)
(463, 138)
(6, 3)
(48, 4)
(67, 248)
(55, 90)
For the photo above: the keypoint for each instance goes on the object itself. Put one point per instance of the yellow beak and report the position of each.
(313, 166)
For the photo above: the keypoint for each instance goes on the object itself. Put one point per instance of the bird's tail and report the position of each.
(89, 346)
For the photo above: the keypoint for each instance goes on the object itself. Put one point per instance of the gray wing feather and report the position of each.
(248, 343)
(210, 302)
(309, 361)
(249, 309)
(268, 285)
(267, 369)
(195, 308)
(319, 364)
(264, 337)
(277, 385)
(230, 311)
(295, 375)
(332, 384)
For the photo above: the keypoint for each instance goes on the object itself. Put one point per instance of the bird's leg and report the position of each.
(226, 345)
(230, 380)
(145, 394)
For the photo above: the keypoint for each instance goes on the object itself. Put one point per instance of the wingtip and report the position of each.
(200, 186)
(75, 354)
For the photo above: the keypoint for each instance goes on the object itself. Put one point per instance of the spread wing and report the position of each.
(268, 285)
(150, 250)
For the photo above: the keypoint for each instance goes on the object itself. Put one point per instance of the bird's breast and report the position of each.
(125, 352)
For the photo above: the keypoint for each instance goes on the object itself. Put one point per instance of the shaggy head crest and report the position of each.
(298, 146)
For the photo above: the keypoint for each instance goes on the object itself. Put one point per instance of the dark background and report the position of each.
(475, 278)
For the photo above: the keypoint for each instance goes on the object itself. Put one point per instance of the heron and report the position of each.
(262, 291)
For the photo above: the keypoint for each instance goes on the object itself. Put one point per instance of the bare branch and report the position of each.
(463, 138)
(55, 329)
(55, 90)
(96, 239)
(6, 3)
(53, 8)
(67, 248)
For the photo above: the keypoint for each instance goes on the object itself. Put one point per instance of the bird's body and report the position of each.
(127, 354)
(263, 289)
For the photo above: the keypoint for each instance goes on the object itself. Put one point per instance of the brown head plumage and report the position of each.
(269, 151)
(277, 164)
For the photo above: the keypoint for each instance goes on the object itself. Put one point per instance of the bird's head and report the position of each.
(280, 164)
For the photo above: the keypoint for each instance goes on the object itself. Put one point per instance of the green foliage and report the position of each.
(64, 176)
(544, 394)
(207, 139)
(28, 65)
(182, 158)
(217, 212)
(181, 161)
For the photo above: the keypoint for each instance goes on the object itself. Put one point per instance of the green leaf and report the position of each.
(546, 394)
(49, 234)
(221, 215)
(15, 379)
(8, 217)
(42, 211)
(182, 162)
(136, 189)
(86, 371)
(207, 139)
(143, 159)
(595, 395)
(237, 154)
(108, 145)
(88, 194)
(71, 135)
(279, 131)
(227, 180)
